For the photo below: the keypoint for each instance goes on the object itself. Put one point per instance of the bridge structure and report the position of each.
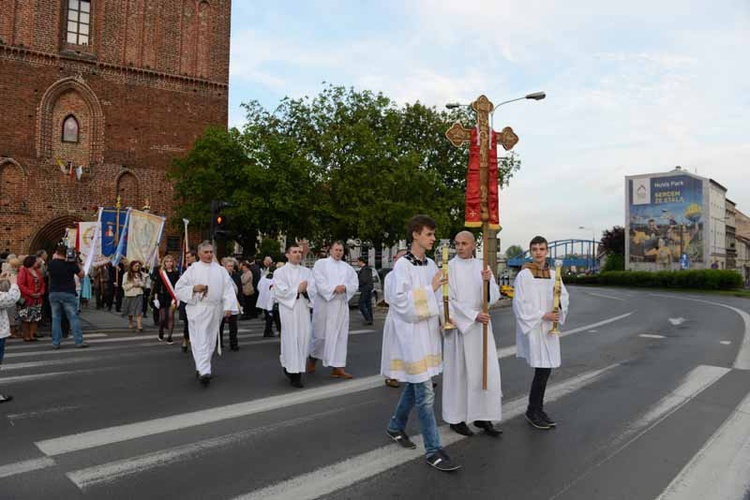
(572, 252)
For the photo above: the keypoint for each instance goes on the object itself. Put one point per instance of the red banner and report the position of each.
(473, 211)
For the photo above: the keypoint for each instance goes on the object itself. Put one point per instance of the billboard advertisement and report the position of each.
(666, 220)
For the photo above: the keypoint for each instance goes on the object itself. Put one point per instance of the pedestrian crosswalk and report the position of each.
(264, 434)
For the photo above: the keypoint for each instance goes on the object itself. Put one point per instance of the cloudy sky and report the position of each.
(632, 87)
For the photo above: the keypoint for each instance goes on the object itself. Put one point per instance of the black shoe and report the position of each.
(234, 348)
(82, 345)
(288, 375)
(401, 438)
(462, 429)
(442, 462)
(488, 428)
(536, 420)
(205, 380)
(546, 418)
(4, 398)
(296, 380)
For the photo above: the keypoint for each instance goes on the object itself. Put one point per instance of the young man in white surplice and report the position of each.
(533, 296)
(294, 287)
(336, 282)
(464, 399)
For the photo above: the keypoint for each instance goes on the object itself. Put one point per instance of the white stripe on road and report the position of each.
(33, 414)
(725, 342)
(42, 376)
(742, 361)
(117, 470)
(329, 479)
(25, 466)
(604, 296)
(721, 469)
(651, 336)
(505, 352)
(695, 382)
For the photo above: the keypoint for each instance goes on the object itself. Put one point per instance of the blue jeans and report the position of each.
(2, 349)
(365, 305)
(422, 395)
(65, 302)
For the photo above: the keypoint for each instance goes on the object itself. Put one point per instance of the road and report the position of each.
(652, 401)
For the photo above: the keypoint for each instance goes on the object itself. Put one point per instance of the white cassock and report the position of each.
(413, 342)
(385, 353)
(532, 297)
(265, 295)
(294, 311)
(464, 400)
(331, 314)
(205, 311)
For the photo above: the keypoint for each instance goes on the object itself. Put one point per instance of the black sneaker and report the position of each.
(462, 428)
(401, 438)
(205, 380)
(82, 345)
(546, 418)
(535, 419)
(488, 428)
(442, 462)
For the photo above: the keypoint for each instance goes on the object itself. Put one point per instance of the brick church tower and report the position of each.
(116, 87)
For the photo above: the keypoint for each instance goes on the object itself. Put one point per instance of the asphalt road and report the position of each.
(652, 401)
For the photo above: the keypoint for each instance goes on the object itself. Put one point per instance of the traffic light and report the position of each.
(218, 219)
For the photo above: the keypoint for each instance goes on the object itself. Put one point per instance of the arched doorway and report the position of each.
(51, 233)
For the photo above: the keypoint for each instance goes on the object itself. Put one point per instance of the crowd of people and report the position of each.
(310, 310)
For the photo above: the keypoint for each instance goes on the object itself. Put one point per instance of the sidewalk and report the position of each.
(101, 320)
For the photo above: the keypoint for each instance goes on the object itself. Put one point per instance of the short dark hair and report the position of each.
(538, 240)
(361, 259)
(61, 249)
(294, 245)
(417, 223)
(29, 261)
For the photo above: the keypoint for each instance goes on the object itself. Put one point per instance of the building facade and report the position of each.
(98, 98)
(677, 220)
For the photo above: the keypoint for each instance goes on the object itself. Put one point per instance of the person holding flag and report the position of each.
(165, 301)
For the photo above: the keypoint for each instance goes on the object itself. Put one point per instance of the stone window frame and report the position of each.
(77, 140)
(74, 24)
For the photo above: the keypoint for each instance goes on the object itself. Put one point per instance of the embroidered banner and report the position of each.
(473, 209)
(144, 236)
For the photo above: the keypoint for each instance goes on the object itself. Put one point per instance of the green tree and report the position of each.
(613, 245)
(514, 251)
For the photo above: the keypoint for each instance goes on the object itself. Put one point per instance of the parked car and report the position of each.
(377, 291)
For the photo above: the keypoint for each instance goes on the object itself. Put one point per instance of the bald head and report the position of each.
(465, 244)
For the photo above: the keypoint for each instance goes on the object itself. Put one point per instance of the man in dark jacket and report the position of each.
(365, 290)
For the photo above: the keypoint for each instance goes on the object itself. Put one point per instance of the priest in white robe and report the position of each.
(336, 282)
(533, 307)
(388, 333)
(415, 344)
(208, 292)
(464, 400)
(294, 287)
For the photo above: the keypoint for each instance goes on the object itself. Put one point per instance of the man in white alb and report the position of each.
(208, 293)
(464, 400)
(293, 287)
(336, 282)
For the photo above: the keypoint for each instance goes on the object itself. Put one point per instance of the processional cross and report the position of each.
(458, 135)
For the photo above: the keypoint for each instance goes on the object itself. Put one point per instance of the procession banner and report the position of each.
(473, 209)
(122, 243)
(110, 229)
(87, 240)
(144, 236)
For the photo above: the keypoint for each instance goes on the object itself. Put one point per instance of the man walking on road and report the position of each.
(416, 346)
(336, 283)
(62, 270)
(293, 287)
(208, 292)
(365, 290)
(464, 400)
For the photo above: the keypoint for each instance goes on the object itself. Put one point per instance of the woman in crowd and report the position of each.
(31, 284)
(132, 288)
(162, 291)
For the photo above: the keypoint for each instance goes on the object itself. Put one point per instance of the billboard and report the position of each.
(666, 220)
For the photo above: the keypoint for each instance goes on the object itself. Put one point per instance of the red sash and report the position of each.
(168, 285)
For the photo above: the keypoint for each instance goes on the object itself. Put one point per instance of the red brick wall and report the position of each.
(153, 78)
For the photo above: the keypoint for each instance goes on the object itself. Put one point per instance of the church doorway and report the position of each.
(51, 233)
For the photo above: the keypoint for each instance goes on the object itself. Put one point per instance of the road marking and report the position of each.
(25, 466)
(725, 342)
(721, 469)
(355, 332)
(651, 336)
(326, 480)
(33, 414)
(119, 469)
(42, 376)
(504, 352)
(604, 296)
(593, 331)
(742, 361)
(694, 382)
(677, 321)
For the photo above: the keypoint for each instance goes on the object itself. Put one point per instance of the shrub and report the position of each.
(704, 279)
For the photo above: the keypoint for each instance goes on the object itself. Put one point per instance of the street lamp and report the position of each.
(535, 96)
(593, 245)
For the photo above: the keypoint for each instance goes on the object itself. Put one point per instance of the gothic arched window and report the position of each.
(70, 129)
(79, 22)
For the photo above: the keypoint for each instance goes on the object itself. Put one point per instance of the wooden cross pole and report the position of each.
(458, 135)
